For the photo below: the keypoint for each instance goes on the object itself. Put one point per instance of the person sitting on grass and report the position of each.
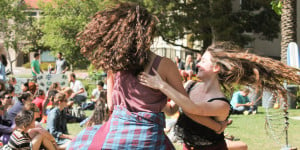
(47, 105)
(240, 102)
(57, 121)
(38, 129)
(38, 101)
(100, 113)
(94, 122)
(20, 140)
(94, 97)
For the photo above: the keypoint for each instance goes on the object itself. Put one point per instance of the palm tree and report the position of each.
(288, 26)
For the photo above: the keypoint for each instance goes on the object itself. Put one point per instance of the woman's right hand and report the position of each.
(154, 81)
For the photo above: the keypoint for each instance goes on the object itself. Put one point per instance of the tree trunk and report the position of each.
(11, 61)
(288, 26)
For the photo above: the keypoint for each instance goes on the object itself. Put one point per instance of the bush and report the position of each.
(89, 86)
(27, 65)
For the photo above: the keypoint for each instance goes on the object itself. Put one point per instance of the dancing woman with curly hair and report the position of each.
(220, 65)
(118, 40)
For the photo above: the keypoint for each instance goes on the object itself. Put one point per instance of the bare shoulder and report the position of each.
(167, 66)
(167, 61)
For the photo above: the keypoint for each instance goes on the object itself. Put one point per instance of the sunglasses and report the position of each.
(8, 97)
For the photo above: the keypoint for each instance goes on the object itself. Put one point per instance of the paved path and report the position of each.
(24, 71)
(21, 71)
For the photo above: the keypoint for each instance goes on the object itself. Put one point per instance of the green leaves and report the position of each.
(213, 20)
(277, 6)
(61, 23)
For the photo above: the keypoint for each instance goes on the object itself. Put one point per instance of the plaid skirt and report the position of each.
(125, 130)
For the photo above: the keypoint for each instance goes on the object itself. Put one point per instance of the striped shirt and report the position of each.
(18, 141)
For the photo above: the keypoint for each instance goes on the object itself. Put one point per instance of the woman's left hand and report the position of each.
(154, 81)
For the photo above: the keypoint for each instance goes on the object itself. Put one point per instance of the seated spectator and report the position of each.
(47, 105)
(95, 96)
(11, 90)
(179, 64)
(189, 68)
(32, 88)
(79, 93)
(170, 128)
(68, 91)
(2, 86)
(38, 101)
(241, 103)
(23, 99)
(100, 113)
(55, 86)
(57, 122)
(20, 140)
(12, 81)
(25, 87)
(5, 126)
(38, 129)
(6, 100)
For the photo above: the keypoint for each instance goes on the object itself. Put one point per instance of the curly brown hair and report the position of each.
(243, 68)
(119, 39)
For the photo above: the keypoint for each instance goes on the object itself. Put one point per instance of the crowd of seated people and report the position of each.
(187, 69)
(51, 107)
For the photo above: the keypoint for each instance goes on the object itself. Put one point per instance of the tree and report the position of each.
(62, 21)
(287, 9)
(213, 20)
(14, 26)
(288, 26)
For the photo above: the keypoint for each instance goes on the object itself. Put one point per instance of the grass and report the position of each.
(249, 129)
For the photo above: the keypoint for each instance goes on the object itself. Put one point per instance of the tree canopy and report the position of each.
(61, 23)
(214, 20)
(205, 20)
(14, 26)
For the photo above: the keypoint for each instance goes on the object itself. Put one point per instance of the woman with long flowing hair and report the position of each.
(222, 65)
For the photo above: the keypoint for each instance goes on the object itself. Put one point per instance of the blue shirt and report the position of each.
(238, 98)
(57, 123)
(14, 110)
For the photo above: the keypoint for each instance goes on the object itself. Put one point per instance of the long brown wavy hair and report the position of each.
(119, 39)
(243, 68)
(101, 111)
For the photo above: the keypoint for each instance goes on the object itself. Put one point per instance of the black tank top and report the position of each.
(194, 134)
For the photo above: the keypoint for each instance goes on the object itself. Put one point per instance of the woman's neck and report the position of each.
(212, 85)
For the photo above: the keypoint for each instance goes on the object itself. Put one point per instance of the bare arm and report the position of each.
(33, 70)
(110, 85)
(173, 79)
(65, 69)
(201, 108)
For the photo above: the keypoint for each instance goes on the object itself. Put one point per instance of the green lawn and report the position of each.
(250, 129)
